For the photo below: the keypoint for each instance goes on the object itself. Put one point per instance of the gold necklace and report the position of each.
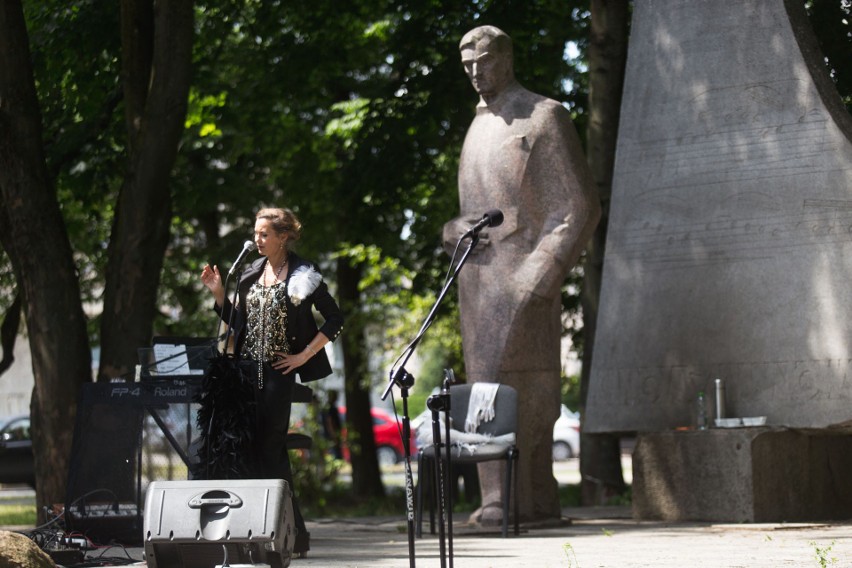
(266, 296)
(277, 274)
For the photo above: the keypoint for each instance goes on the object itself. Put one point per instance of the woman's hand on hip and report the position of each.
(289, 362)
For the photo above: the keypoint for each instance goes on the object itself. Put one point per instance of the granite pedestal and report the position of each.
(759, 474)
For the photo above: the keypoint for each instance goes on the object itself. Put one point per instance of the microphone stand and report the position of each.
(405, 381)
(224, 355)
(234, 300)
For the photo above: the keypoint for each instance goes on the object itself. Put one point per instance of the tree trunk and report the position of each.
(600, 456)
(366, 476)
(9, 330)
(33, 234)
(153, 38)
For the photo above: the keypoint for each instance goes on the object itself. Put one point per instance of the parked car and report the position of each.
(386, 431)
(566, 435)
(16, 451)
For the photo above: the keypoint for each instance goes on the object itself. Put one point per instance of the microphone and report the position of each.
(491, 218)
(248, 246)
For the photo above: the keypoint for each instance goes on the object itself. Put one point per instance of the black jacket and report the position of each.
(301, 325)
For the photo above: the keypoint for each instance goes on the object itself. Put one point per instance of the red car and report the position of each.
(387, 432)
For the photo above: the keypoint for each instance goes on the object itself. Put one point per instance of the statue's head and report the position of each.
(486, 53)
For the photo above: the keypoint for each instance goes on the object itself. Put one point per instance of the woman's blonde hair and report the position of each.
(283, 221)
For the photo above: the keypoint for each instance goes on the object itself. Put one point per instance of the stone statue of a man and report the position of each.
(521, 155)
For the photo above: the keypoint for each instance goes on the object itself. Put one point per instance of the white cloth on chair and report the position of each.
(480, 407)
(465, 439)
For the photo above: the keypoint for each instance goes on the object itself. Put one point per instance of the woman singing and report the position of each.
(274, 325)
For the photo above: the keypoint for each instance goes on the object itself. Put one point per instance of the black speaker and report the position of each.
(103, 498)
(205, 523)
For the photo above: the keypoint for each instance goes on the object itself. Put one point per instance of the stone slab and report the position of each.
(742, 475)
(729, 252)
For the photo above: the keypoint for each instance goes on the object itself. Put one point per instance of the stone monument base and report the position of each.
(759, 474)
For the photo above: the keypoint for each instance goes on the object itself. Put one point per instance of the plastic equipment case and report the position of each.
(207, 523)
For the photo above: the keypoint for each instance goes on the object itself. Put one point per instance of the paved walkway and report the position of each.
(604, 537)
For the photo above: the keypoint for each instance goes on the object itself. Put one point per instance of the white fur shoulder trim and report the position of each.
(303, 282)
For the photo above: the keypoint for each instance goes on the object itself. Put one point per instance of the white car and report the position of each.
(566, 435)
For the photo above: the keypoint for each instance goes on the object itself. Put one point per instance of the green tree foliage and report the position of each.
(77, 78)
(832, 22)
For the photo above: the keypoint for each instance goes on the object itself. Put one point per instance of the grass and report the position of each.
(571, 555)
(569, 495)
(339, 501)
(17, 514)
(821, 553)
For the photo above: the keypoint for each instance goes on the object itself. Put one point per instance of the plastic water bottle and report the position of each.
(702, 411)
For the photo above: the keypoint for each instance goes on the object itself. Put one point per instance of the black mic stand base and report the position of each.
(438, 403)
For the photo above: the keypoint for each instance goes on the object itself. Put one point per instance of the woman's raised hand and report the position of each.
(211, 278)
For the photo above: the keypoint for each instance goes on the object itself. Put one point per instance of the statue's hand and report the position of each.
(539, 275)
(484, 241)
(455, 229)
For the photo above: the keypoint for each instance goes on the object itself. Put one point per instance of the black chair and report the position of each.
(505, 422)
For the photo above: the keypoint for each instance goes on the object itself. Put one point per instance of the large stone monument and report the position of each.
(729, 252)
(521, 155)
